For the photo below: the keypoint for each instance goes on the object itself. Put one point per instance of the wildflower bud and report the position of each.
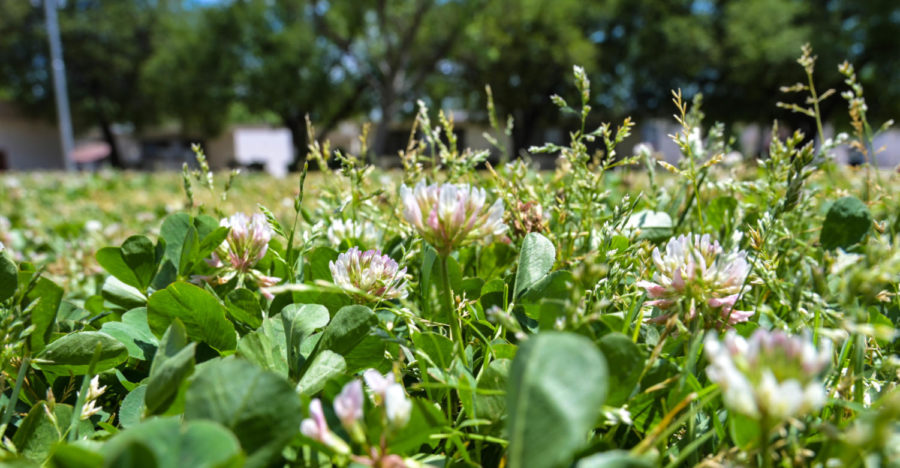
(449, 216)
(773, 376)
(315, 427)
(390, 394)
(378, 383)
(348, 405)
(90, 408)
(397, 406)
(369, 274)
(695, 270)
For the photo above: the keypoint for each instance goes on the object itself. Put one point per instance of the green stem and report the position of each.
(14, 397)
(766, 459)
(447, 304)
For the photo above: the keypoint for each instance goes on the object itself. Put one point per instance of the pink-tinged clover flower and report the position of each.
(771, 376)
(315, 427)
(369, 274)
(348, 405)
(696, 269)
(245, 245)
(449, 216)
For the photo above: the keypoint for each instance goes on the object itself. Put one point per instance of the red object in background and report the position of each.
(90, 152)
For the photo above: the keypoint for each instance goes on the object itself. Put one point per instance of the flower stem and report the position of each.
(447, 303)
(766, 459)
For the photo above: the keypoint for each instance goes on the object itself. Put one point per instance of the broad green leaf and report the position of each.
(438, 347)
(652, 225)
(557, 384)
(846, 223)
(266, 346)
(43, 301)
(345, 331)
(242, 305)
(134, 333)
(629, 361)
(174, 444)
(203, 316)
(74, 456)
(557, 285)
(317, 264)
(120, 294)
(490, 401)
(175, 229)
(73, 353)
(535, 260)
(425, 419)
(368, 353)
(132, 409)
(136, 454)
(323, 367)
(170, 368)
(134, 263)
(9, 278)
(299, 321)
(43, 427)
(260, 407)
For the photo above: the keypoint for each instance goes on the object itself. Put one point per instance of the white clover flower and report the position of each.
(246, 244)
(348, 405)
(371, 273)
(449, 216)
(363, 232)
(93, 225)
(247, 241)
(773, 376)
(315, 427)
(695, 269)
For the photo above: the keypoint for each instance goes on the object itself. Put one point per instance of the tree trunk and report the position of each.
(115, 157)
(382, 130)
(297, 126)
(523, 132)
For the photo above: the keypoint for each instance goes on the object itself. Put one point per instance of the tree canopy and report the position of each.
(203, 65)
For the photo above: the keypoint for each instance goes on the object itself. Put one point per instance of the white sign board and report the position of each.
(272, 147)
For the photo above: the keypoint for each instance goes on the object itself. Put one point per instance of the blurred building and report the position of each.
(27, 143)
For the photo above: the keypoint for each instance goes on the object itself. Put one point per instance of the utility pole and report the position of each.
(58, 67)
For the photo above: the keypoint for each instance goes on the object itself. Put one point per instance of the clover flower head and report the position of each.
(363, 232)
(449, 216)
(370, 272)
(695, 268)
(247, 241)
(245, 245)
(315, 427)
(772, 375)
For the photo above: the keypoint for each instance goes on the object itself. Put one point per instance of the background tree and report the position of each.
(105, 45)
(394, 45)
